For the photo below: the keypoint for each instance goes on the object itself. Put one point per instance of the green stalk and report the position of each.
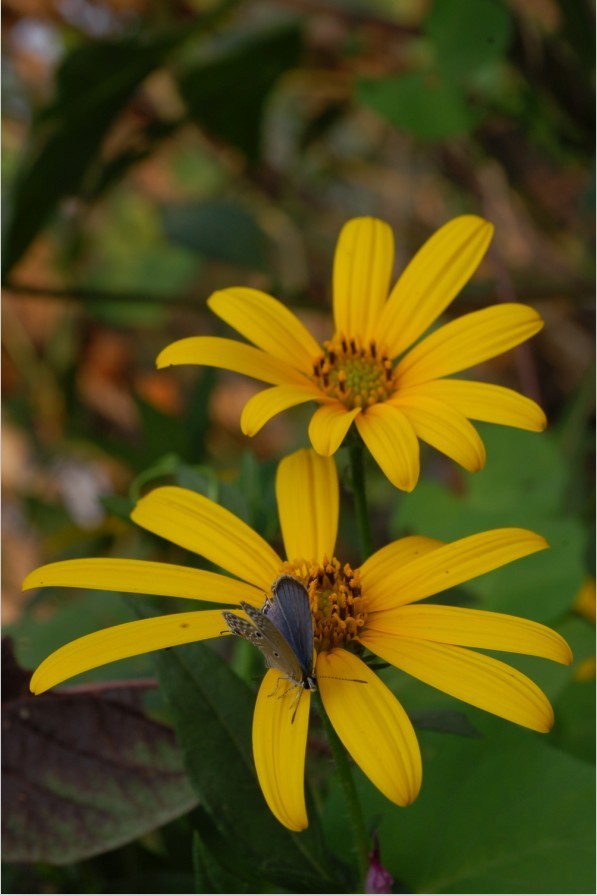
(359, 831)
(357, 465)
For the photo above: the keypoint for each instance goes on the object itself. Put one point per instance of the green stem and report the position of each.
(360, 496)
(359, 831)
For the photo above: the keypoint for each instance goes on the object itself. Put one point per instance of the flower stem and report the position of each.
(360, 496)
(359, 831)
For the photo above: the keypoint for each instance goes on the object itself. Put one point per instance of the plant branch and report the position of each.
(357, 465)
(359, 831)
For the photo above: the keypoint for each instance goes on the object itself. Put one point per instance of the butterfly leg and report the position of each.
(275, 690)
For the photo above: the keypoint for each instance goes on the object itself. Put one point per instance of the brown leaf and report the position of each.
(83, 772)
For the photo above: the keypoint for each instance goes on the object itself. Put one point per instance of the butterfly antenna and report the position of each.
(339, 678)
(296, 705)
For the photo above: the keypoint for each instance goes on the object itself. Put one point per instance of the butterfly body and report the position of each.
(282, 630)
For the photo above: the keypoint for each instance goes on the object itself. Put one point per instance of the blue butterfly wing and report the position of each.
(290, 612)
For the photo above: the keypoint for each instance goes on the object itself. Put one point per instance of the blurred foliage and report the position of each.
(154, 152)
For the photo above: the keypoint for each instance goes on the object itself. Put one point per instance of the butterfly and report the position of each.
(283, 632)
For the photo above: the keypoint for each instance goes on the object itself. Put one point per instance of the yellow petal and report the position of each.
(266, 323)
(444, 428)
(392, 441)
(371, 724)
(467, 341)
(202, 526)
(307, 493)
(436, 274)
(212, 351)
(383, 562)
(452, 565)
(483, 401)
(269, 402)
(362, 269)
(329, 424)
(472, 628)
(279, 747)
(144, 577)
(120, 641)
(479, 680)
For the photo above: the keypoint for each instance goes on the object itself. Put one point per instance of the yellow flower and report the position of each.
(368, 372)
(374, 607)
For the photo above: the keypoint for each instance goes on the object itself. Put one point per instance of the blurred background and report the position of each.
(156, 151)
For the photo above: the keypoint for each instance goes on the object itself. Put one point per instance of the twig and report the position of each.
(84, 294)
(351, 16)
(477, 294)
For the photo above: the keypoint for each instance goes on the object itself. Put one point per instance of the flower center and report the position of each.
(356, 375)
(338, 609)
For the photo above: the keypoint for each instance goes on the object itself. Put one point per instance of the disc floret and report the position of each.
(337, 605)
(357, 375)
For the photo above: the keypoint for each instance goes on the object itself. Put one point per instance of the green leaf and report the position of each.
(212, 711)
(575, 719)
(467, 38)
(520, 821)
(201, 479)
(505, 813)
(81, 611)
(83, 773)
(226, 95)
(165, 466)
(118, 505)
(422, 104)
(574, 701)
(510, 492)
(543, 586)
(534, 488)
(219, 230)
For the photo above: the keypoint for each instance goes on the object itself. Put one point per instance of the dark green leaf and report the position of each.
(505, 813)
(211, 861)
(542, 587)
(67, 136)
(422, 105)
(226, 95)
(220, 230)
(83, 773)
(524, 483)
(212, 710)
(466, 39)
(520, 820)
(94, 84)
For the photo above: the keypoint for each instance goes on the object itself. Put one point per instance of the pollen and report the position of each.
(357, 375)
(338, 608)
